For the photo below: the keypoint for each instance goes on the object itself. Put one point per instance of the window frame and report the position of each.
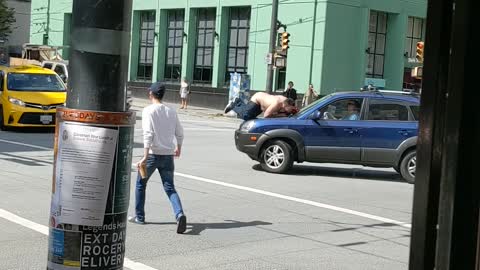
(151, 16)
(204, 13)
(177, 13)
(373, 51)
(410, 37)
(361, 112)
(389, 101)
(239, 11)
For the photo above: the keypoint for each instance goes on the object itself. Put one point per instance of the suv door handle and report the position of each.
(404, 132)
(350, 130)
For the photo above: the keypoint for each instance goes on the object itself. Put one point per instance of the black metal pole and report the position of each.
(93, 143)
(271, 48)
(99, 55)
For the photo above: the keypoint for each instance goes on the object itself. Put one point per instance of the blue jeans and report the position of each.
(166, 167)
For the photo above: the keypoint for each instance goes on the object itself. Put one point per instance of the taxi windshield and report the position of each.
(34, 82)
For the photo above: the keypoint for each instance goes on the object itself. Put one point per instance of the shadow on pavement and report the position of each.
(197, 228)
(370, 174)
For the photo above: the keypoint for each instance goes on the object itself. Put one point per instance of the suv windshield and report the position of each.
(307, 108)
(34, 82)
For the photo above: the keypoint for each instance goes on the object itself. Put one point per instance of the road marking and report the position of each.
(44, 230)
(272, 194)
(201, 129)
(26, 144)
(289, 198)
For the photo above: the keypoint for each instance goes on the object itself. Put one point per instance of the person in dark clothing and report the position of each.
(290, 92)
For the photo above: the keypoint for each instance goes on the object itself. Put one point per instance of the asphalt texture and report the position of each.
(237, 217)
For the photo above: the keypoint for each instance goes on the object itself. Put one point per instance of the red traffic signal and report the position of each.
(420, 50)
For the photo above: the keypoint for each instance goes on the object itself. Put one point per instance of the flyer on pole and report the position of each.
(83, 173)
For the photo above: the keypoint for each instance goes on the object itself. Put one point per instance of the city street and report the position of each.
(316, 217)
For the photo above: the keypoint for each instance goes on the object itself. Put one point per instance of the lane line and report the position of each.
(298, 200)
(201, 129)
(275, 195)
(26, 144)
(44, 230)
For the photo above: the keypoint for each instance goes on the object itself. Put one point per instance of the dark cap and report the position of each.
(157, 89)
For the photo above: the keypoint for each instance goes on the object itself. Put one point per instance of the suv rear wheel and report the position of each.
(277, 157)
(408, 166)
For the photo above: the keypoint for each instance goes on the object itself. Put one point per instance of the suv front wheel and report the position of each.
(408, 166)
(277, 157)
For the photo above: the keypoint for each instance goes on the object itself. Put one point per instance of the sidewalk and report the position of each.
(140, 103)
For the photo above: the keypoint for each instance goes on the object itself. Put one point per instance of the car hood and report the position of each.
(284, 122)
(42, 98)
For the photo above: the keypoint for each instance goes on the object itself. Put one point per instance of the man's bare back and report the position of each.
(266, 100)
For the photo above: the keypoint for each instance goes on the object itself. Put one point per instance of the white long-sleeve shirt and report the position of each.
(160, 127)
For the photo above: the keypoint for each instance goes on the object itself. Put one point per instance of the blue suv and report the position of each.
(372, 128)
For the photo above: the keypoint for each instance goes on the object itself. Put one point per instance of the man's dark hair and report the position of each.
(158, 90)
(289, 101)
(290, 82)
(354, 103)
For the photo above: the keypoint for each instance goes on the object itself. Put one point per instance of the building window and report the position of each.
(173, 67)
(377, 37)
(239, 28)
(415, 34)
(147, 37)
(205, 44)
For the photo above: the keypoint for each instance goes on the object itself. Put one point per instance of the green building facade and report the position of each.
(334, 44)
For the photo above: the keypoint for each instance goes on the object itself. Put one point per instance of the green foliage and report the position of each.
(7, 18)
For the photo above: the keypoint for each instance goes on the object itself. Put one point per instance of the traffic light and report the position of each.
(420, 47)
(285, 41)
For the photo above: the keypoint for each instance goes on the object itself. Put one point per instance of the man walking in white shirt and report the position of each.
(160, 127)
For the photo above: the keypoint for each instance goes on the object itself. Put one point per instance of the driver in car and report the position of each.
(353, 112)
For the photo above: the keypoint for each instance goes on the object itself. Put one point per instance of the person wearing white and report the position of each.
(161, 127)
(184, 93)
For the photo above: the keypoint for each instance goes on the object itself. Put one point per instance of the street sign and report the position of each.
(268, 59)
(417, 72)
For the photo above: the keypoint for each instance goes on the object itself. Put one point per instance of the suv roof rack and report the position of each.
(376, 90)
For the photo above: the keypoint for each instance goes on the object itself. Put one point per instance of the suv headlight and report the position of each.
(247, 126)
(16, 101)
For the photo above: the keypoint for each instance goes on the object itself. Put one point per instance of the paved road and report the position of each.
(317, 217)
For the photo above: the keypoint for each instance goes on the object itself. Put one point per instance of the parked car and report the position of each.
(29, 96)
(60, 67)
(382, 134)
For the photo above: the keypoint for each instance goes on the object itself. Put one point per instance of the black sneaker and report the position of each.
(136, 220)
(181, 224)
(231, 105)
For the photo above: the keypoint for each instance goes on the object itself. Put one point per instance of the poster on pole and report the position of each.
(83, 173)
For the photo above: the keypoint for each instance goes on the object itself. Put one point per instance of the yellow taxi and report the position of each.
(29, 96)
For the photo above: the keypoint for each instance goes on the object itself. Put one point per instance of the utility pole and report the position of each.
(46, 38)
(271, 49)
(93, 143)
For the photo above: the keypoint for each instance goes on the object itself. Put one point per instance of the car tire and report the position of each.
(408, 166)
(277, 157)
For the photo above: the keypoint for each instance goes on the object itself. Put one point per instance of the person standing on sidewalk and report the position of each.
(184, 93)
(290, 92)
(309, 96)
(160, 127)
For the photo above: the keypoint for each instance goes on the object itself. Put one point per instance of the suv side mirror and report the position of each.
(316, 116)
(63, 77)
